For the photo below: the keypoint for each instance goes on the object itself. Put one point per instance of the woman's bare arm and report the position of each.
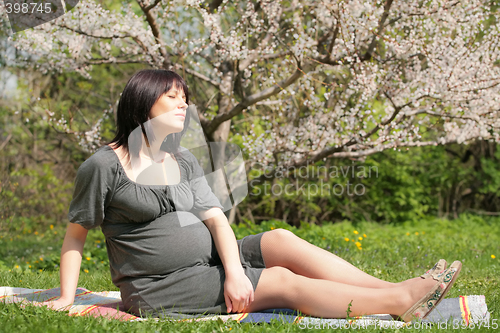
(238, 290)
(71, 259)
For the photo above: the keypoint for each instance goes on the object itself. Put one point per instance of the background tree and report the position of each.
(334, 78)
(296, 82)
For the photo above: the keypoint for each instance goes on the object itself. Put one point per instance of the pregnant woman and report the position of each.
(171, 250)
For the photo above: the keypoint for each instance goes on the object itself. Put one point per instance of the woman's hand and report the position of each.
(59, 304)
(238, 292)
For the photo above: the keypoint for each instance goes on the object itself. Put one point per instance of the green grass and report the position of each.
(30, 257)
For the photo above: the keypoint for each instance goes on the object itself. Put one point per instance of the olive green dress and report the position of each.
(161, 255)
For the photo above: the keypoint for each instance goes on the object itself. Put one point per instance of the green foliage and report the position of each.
(39, 155)
(36, 195)
(392, 186)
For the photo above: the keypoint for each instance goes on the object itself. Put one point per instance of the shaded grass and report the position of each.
(389, 252)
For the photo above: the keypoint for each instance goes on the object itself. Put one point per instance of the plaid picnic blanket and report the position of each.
(460, 312)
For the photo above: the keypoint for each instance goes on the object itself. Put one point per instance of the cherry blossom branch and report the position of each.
(155, 30)
(81, 32)
(252, 99)
(385, 15)
(153, 5)
(94, 61)
(198, 75)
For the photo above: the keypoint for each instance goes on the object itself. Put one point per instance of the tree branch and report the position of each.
(245, 63)
(155, 30)
(81, 32)
(385, 15)
(95, 61)
(6, 141)
(198, 75)
(252, 99)
(153, 5)
(214, 5)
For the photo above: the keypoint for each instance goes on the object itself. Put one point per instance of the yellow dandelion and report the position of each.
(29, 266)
(416, 233)
(27, 262)
(36, 232)
(102, 262)
(51, 227)
(88, 258)
(36, 261)
(356, 232)
(17, 266)
(346, 239)
(364, 235)
(41, 259)
(360, 238)
(407, 234)
(493, 256)
(423, 232)
(40, 270)
(55, 232)
(323, 238)
(97, 241)
(272, 228)
(86, 270)
(358, 244)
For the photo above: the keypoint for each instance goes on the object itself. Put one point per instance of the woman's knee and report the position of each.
(281, 281)
(281, 235)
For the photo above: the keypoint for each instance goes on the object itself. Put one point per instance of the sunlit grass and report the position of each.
(30, 259)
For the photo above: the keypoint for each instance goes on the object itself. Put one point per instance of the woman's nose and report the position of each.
(183, 104)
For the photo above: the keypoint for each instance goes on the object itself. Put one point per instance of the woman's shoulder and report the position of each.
(188, 160)
(185, 154)
(104, 159)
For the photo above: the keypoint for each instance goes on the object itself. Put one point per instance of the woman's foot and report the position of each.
(425, 295)
(438, 268)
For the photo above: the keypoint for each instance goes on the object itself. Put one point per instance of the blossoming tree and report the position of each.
(317, 79)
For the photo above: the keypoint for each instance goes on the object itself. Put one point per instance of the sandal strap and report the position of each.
(436, 271)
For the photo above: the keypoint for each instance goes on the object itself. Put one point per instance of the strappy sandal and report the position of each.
(438, 268)
(426, 304)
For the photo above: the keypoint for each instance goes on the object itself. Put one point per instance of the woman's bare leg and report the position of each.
(282, 248)
(279, 287)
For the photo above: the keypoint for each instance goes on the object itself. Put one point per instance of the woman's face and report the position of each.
(169, 111)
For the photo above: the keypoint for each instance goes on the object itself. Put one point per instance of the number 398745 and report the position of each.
(28, 8)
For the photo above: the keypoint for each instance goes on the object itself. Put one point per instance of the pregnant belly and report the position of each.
(171, 242)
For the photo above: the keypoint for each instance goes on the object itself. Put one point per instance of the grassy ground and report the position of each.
(29, 259)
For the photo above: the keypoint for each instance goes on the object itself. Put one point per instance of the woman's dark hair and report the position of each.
(140, 94)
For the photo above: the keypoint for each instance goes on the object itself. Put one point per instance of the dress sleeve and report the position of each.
(92, 193)
(204, 198)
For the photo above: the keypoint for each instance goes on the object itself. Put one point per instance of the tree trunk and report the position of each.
(220, 136)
